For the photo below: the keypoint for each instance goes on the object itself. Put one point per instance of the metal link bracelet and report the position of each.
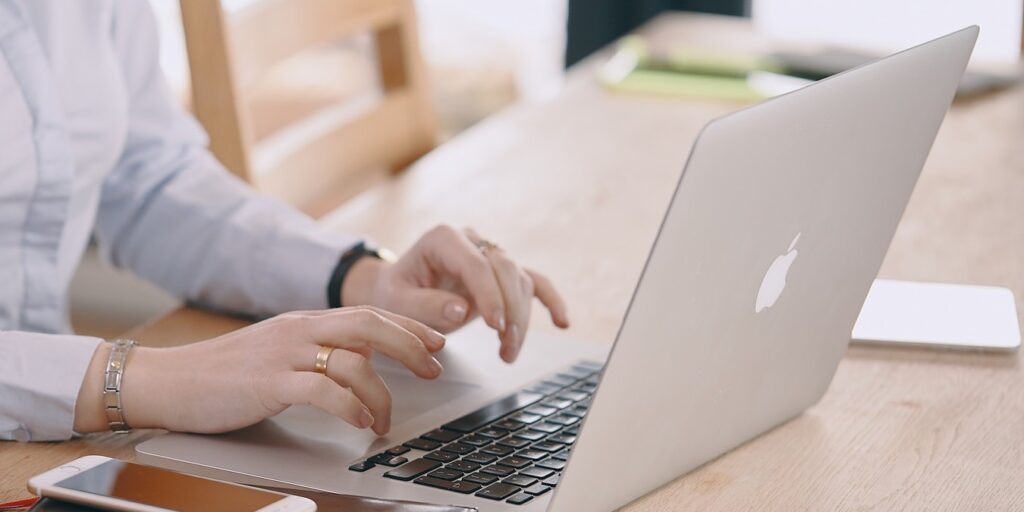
(112, 385)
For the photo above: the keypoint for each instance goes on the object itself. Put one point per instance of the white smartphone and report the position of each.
(117, 485)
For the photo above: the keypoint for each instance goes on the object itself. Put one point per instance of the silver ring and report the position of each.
(486, 245)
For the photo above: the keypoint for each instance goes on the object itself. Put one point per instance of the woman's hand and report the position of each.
(445, 280)
(240, 378)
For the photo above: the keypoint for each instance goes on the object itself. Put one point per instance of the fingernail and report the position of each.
(365, 419)
(500, 315)
(435, 366)
(516, 342)
(455, 312)
(437, 337)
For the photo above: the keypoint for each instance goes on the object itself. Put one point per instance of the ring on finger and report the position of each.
(322, 355)
(486, 246)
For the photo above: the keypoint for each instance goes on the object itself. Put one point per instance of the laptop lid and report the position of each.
(776, 230)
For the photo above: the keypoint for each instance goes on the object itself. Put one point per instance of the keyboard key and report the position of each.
(530, 435)
(392, 462)
(537, 489)
(537, 472)
(562, 455)
(521, 481)
(508, 425)
(595, 365)
(554, 464)
(547, 446)
(560, 380)
(543, 388)
(422, 444)
(498, 491)
(465, 467)
(530, 455)
(446, 474)
(519, 499)
(443, 436)
(514, 462)
(441, 456)
(458, 448)
(493, 433)
(500, 451)
(557, 403)
(461, 486)
(564, 419)
(551, 480)
(514, 442)
(562, 439)
(576, 411)
(588, 387)
(526, 418)
(580, 372)
(480, 458)
(476, 441)
(398, 450)
(413, 469)
(575, 396)
(575, 431)
(541, 410)
(493, 411)
(546, 427)
(362, 466)
(498, 470)
(480, 478)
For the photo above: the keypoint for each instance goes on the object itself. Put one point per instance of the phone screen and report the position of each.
(166, 489)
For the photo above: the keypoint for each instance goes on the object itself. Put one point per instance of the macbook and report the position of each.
(775, 232)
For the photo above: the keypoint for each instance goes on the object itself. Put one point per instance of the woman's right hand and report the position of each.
(240, 378)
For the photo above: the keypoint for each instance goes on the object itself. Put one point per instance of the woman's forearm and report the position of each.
(90, 415)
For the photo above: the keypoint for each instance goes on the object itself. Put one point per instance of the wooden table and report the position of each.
(576, 186)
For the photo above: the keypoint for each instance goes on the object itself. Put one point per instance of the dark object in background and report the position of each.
(51, 505)
(816, 66)
(595, 23)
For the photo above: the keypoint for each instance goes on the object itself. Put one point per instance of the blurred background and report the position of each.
(480, 57)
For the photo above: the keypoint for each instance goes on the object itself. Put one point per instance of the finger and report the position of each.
(457, 256)
(362, 326)
(509, 280)
(354, 371)
(431, 338)
(526, 287)
(440, 309)
(549, 296)
(309, 388)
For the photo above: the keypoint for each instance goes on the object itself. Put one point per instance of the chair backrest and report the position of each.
(312, 162)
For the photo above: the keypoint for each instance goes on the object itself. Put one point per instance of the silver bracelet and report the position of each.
(112, 385)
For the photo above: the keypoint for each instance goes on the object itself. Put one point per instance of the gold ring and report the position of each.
(486, 245)
(320, 366)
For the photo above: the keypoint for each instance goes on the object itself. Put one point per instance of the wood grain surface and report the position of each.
(575, 187)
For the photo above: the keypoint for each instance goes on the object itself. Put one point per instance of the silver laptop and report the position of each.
(745, 307)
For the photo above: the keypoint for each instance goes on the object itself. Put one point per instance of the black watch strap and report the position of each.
(349, 258)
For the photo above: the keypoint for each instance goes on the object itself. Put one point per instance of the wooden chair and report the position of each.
(317, 162)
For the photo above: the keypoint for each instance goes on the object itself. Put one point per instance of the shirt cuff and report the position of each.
(40, 376)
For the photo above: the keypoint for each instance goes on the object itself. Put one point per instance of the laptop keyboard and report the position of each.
(513, 449)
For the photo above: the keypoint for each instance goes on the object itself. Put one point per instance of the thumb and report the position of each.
(440, 309)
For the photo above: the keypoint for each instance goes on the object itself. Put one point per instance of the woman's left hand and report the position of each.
(448, 278)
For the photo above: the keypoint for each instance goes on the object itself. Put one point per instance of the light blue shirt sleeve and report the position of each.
(171, 213)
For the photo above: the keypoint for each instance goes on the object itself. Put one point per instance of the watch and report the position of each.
(345, 263)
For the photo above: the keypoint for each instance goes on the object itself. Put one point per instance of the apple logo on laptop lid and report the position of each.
(774, 281)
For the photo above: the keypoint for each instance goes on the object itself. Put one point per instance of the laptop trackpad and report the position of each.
(412, 396)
